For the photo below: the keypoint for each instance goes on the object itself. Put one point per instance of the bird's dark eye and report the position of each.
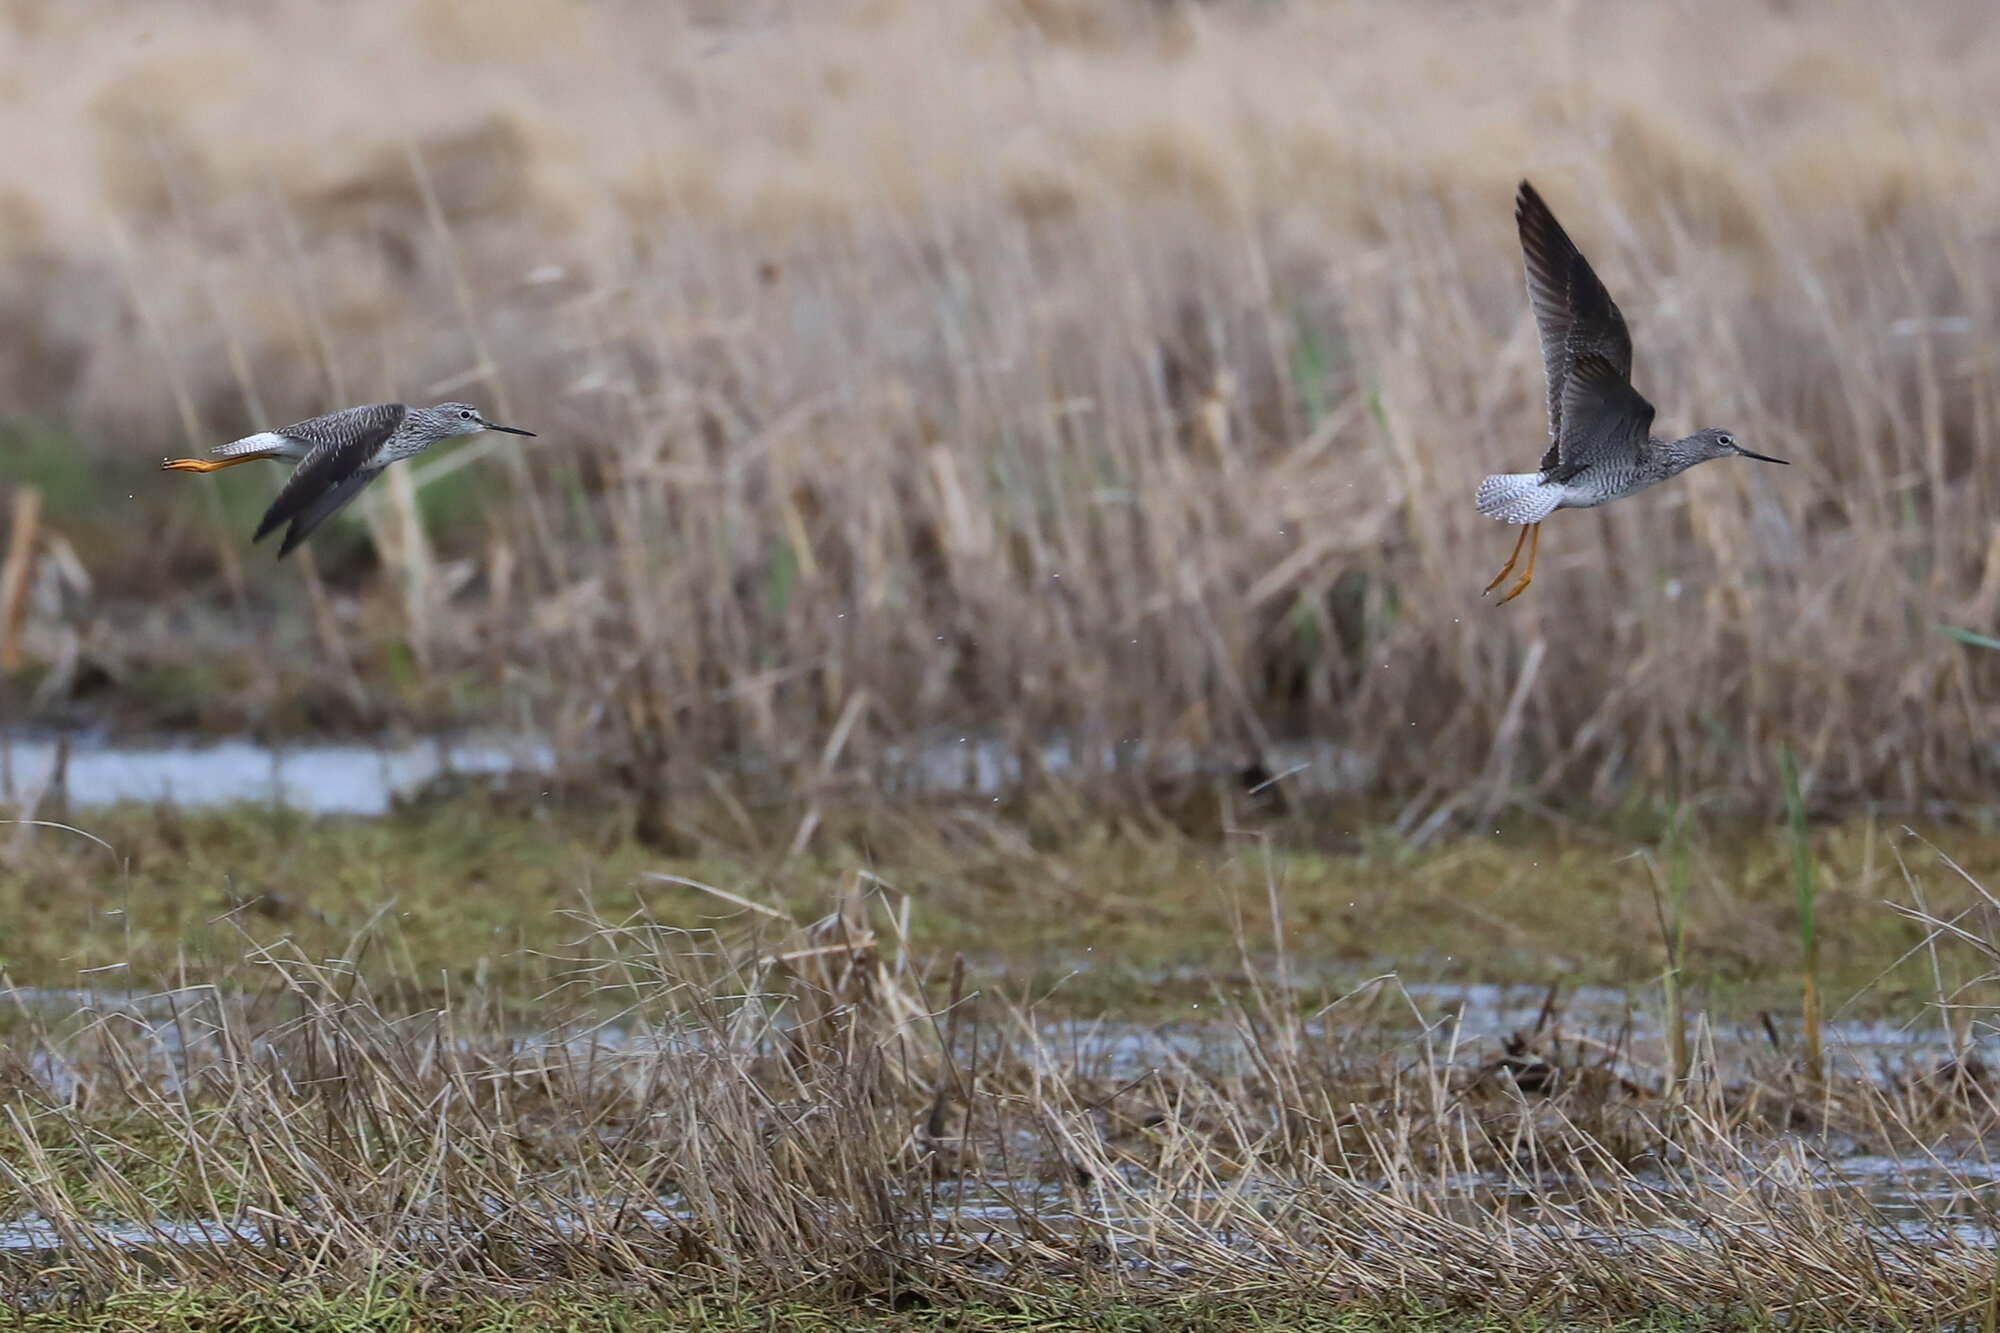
(1727, 440)
(468, 417)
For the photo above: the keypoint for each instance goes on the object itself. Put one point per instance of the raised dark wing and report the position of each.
(1575, 315)
(330, 502)
(343, 444)
(1603, 417)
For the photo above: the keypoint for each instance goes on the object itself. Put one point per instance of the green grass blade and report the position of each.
(1967, 636)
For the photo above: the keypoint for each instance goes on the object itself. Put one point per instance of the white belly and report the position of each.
(1581, 494)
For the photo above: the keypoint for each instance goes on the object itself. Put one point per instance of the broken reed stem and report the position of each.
(412, 548)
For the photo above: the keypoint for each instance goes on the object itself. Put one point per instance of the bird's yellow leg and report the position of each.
(1528, 577)
(1501, 577)
(214, 464)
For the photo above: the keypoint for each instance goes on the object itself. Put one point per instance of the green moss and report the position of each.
(463, 892)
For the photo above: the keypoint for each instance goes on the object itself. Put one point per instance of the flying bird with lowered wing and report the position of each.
(337, 455)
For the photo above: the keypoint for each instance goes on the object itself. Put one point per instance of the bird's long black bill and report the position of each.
(511, 430)
(1763, 458)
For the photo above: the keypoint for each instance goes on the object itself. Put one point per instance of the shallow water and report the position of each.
(363, 779)
(347, 779)
(1919, 1198)
(1464, 1023)
(35, 1232)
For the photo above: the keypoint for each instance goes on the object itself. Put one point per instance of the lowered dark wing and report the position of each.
(1604, 419)
(1575, 315)
(344, 445)
(329, 502)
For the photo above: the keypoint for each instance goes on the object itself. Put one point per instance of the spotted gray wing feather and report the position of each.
(373, 422)
(329, 502)
(1605, 421)
(1574, 314)
(341, 444)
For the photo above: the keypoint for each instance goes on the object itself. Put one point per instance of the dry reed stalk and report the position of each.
(1112, 394)
(190, 419)
(715, 1114)
(333, 643)
(14, 573)
(487, 368)
(401, 538)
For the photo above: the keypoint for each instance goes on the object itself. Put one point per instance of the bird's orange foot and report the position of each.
(213, 464)
(1508, 568)
(1529, 575)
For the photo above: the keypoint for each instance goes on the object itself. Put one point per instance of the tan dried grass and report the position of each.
(1093, 368)
(742, 1111)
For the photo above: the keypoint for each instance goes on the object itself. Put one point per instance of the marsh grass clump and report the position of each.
(791, 1106)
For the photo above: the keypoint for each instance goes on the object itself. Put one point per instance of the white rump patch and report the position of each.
(263, 442)
(1518, 497)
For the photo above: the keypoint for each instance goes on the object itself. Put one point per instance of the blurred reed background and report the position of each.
(1087, 368)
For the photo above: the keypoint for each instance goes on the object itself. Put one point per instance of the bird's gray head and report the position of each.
(447, 420)
(1707, 444)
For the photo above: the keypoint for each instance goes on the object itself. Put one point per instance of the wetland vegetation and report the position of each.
(475, 881)
(493, 1044)
(1097, 386)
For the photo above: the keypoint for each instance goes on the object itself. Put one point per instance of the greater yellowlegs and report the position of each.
(337, 455)
(1600, 445)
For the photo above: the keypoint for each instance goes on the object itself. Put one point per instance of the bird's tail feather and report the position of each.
(264, 442)
(1518, 497)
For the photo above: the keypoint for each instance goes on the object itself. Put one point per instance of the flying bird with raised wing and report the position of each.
(1600, 443)
(337, 455)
